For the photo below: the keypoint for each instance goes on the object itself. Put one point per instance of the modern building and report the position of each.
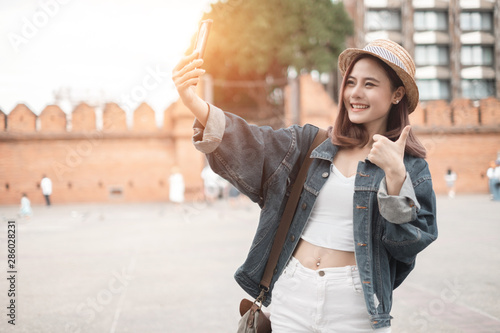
(455, 43)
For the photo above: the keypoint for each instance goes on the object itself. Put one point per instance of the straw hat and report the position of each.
(393, 55)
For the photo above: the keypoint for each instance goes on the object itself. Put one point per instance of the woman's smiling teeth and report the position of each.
(359, 106)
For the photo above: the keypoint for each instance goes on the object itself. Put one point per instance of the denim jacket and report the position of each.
(262, 163)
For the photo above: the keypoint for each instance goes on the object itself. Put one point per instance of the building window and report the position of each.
(432, 55)
(474, 21)
(427, 20)
(433, 89)
(478, 88)
(383, 20)
(477, 55)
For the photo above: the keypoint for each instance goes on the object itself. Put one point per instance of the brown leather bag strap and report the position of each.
(291, 206)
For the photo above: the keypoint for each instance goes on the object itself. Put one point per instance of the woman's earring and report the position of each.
(397, 101)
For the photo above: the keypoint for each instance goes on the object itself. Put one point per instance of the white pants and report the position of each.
(325, 300)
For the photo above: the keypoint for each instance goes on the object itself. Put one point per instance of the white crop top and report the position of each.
(330, 224)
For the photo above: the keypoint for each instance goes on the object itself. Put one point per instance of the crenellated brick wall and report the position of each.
(114, 163)
(108, 161)
(21, 119)
(144, 119)
(490, 112)
(3, 120)
(52, 120)
(114, 118)
(83, 119)
(463, 135)
(437, 113)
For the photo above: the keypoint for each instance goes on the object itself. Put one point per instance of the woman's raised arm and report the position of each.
(186, 76)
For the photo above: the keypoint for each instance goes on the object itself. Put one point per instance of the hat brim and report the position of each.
(347, 57)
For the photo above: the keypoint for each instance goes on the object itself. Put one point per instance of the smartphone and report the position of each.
(201, 40)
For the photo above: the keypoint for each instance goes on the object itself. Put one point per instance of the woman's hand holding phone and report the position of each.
(187, 73)
(186, 76)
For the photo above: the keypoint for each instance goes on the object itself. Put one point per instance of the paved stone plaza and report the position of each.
(156, 267)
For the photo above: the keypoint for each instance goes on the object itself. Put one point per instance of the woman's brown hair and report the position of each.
(349, 135)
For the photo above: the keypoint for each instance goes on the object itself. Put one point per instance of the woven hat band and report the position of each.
(386, 55)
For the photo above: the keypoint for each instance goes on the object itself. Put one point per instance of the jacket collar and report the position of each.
(325, 151)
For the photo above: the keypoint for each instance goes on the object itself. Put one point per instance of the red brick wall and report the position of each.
(490, 112)
(316, 106)
(417, 117)
(86, 165)
(21, 119)
(464, 113)
(113, 118)
(3, 119)
(468, 154)
(464, 136)
(144, 119)
(167, 117)
(87, 169)
(52, 119)
(438, 113)
(83, 119)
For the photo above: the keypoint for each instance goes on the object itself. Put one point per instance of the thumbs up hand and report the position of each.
(388, 155)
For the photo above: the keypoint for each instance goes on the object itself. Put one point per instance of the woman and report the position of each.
(367, 207)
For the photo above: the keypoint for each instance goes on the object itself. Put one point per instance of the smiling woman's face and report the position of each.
(368, 95)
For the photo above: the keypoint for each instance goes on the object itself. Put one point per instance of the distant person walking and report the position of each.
(493, 174)
(177, 186)
(46, 185)
(25, 210)
(450, 178)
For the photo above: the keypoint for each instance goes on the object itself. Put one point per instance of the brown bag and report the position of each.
(253, 320)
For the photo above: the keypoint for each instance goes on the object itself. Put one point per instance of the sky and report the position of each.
(120, 51)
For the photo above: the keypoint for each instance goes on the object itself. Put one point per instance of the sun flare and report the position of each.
(103, 47)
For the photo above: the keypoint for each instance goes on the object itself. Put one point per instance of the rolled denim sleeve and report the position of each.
(207, 139)
(411, 225)
(400, 208)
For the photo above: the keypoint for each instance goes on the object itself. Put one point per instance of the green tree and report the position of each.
(253, 43)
